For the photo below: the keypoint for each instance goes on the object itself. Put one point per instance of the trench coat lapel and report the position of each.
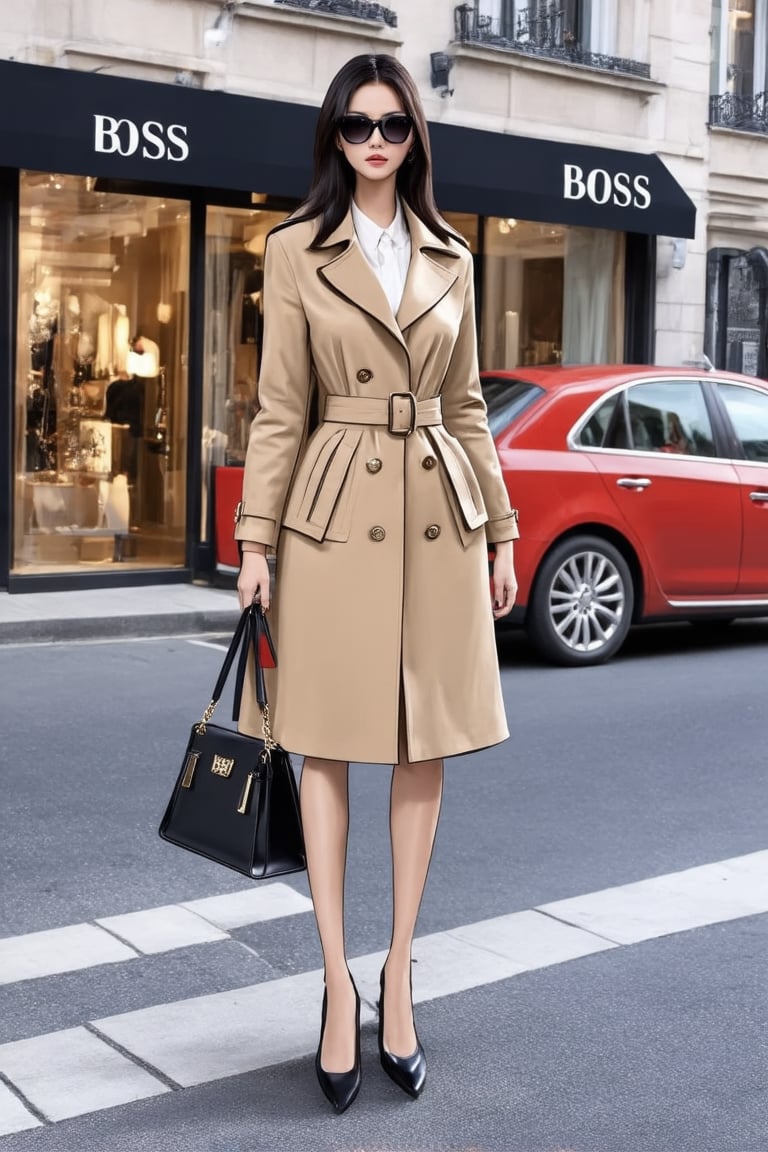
(350, 274)
(433, 271)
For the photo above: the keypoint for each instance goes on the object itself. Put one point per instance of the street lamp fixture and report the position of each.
(440, 65)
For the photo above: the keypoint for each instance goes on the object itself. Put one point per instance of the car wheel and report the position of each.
(582, 602)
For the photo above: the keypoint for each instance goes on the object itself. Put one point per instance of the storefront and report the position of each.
(134, 217)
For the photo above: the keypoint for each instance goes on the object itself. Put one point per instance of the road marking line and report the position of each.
(162, 929)
(250, 905)
(72, 1072)
(710, 894)
(58, 950)
(14, 1117)
(149, 931)
(208, 644)
(207, 1038)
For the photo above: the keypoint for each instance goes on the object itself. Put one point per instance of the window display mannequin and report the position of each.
(124, 403)
(41, 392)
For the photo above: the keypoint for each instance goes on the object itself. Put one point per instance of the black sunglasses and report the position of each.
(357, 128)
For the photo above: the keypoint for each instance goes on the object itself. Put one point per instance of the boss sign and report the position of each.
(156, 141)
(601, 187)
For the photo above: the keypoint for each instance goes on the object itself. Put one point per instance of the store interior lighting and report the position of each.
(221, 29)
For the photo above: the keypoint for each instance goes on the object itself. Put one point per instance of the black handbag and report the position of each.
(235, 799)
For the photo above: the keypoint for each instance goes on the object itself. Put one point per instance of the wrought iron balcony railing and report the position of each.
(538, 31)
(748, 113)
(357, 8)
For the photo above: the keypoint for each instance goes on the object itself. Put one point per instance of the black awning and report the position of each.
(70, 121)
(558, 183)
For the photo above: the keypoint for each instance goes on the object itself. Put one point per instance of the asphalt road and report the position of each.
(644, 767)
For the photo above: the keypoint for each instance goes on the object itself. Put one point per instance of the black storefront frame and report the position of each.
(506, 167)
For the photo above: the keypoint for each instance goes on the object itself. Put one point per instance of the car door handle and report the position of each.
(759, 497)
(638, 483)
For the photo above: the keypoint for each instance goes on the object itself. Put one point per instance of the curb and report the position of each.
(131, 627)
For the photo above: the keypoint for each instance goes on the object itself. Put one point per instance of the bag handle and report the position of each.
(252, 632)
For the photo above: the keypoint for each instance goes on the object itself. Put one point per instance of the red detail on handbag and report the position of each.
(266, 655)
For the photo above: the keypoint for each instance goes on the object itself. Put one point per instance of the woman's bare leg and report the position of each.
(325, 817)
(415, 800)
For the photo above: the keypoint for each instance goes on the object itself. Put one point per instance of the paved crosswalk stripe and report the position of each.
(250, 905)
(710, 894)
(74, 1072)
(58, 950)
(14, 1117)
(162, 929)
(210, 1037)
(115, 938)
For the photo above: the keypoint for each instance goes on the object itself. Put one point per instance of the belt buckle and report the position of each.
(391, 413)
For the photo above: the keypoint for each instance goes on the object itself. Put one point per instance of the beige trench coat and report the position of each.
(381, 609)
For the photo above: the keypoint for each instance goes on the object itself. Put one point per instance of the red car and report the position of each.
(643, 495)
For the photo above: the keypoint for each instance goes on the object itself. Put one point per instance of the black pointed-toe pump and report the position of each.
(408, 1072)
(340, 1088)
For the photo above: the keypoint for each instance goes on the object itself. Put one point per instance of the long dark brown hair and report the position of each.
(333, 180)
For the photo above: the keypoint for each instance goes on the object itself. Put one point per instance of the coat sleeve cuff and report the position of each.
(502, 528)
(257, 529)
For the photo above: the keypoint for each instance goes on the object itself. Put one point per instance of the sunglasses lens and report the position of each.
(355, 129)
(395, 129)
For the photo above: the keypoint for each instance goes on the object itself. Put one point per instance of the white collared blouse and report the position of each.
(387, 250)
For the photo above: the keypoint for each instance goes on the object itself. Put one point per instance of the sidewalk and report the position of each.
(112, 613)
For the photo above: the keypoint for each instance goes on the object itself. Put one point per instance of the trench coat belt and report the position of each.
(400, 412)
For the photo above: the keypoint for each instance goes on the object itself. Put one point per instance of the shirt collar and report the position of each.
(369, 233)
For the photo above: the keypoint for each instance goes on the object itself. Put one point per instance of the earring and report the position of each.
(411, 156)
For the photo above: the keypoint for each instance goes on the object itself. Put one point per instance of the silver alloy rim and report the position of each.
(586, 601)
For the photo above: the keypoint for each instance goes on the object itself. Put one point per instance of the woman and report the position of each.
(380, 519)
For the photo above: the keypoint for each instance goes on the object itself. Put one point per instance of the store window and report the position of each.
(551, 294)
(234, 282)
(101, 393)
(736, 336)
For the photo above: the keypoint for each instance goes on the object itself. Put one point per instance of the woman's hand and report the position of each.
(504, 580)
(253, 580)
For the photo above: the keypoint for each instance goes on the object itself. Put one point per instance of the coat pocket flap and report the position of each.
(313, 501)
(461, 477)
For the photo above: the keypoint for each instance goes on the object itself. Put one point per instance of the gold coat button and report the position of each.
(374, 465)
(428, 462)
(364, 375)
(432, 532)
(377, 533)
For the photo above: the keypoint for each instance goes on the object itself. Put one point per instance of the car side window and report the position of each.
(594, 431)
(748, 411)
(666, 416)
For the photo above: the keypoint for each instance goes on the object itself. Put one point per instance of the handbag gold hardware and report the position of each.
(189, 769)
(242, 807)
(222, 766)
(207, 715)
(266, 730)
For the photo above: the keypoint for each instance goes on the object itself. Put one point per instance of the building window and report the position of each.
(551, 294)
(740, 65)
(576, 31)
(101, 385)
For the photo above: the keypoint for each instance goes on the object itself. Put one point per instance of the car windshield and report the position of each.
(506, 398)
